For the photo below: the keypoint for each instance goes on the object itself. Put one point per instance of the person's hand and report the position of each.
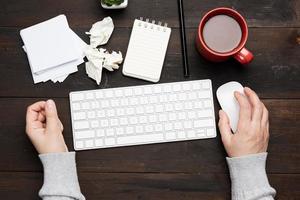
(44, 128)
(252, 133)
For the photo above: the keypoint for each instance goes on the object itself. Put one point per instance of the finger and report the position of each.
(33, 110)
(224, 127)
(245, 107)
(52, 120)
(61, 126)
(41, 117)
(256, 104)
(265, 116)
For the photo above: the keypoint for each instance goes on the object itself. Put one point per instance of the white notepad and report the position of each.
(48, 44)
(146, 50)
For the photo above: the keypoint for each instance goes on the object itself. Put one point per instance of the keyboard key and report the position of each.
(191, 134)
(139, 129)
(176, 87)
(100, 133)
(99, 142)
(95, 124)
(100, 113)
(123, 121)
(181, 134)
(196, 86)
(172, 116)
(81, 124)
(152, 118)
(133, 101)
(109, 141)
(147, 90)
(210, 132)
(203, 123)
(140, 139)
(139, 110)
(91, 114)
(85, 105)
(110, 112)
(99, 94)
(182, 96)
(159, 108)
(181, 115)
(95, 105)
(120, 111)
(115, 103)
(118, 93)
(89, 95)
(207, 104)
(204, 113)
(178, 125)
(104, 104)
(76, 106)
(79, 144)
(110, 132)
(89, 143)
(79, 116)
(84, 134)
(158, 127)
(187, 124)
(203, 94)
(162, 117)
(168, 126)
(192, 114)
(129, 130)
(133, 120)
(128, 92)
(119, 131)
(104, 123)
(186, 86)
(206, 85)
(108, 93)
(143, 119)
(170, 135)
(114, 122)
(77, 96)
(149, 109)
(149, 128)
(157, 89)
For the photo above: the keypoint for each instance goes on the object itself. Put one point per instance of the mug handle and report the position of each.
(244, 56)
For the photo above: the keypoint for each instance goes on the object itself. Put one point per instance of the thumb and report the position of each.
(51, 116)
(224, 127)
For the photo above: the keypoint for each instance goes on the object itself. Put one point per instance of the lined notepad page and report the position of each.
(146, 50)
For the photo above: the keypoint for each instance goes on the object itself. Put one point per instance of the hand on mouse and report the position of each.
(44, 128)
(252, 133)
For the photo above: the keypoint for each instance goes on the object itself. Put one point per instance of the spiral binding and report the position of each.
(147, 24)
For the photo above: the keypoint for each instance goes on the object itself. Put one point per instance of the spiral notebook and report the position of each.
(146, 50)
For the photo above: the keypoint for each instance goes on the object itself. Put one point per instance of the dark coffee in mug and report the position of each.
(222, 33)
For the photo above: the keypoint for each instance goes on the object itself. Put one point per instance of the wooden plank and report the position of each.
(258, 13)
(202, 156)
(84, 13)
(144, 186)
(273, 73)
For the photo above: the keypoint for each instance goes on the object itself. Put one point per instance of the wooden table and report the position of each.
(182, 170)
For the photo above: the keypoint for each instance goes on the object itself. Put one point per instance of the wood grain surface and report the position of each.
(181, 170)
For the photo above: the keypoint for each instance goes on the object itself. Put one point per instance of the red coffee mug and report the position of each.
(240, 53)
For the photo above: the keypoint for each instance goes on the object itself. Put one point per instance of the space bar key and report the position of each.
(140, 139)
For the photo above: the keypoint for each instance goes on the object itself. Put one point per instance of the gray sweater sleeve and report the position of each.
(60, 177)
(249, 179)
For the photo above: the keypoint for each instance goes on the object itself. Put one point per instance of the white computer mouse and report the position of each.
(228, 103)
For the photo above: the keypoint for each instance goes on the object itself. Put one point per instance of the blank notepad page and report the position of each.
(146, 50)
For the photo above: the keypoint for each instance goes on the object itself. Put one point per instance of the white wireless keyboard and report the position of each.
(146, 114)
